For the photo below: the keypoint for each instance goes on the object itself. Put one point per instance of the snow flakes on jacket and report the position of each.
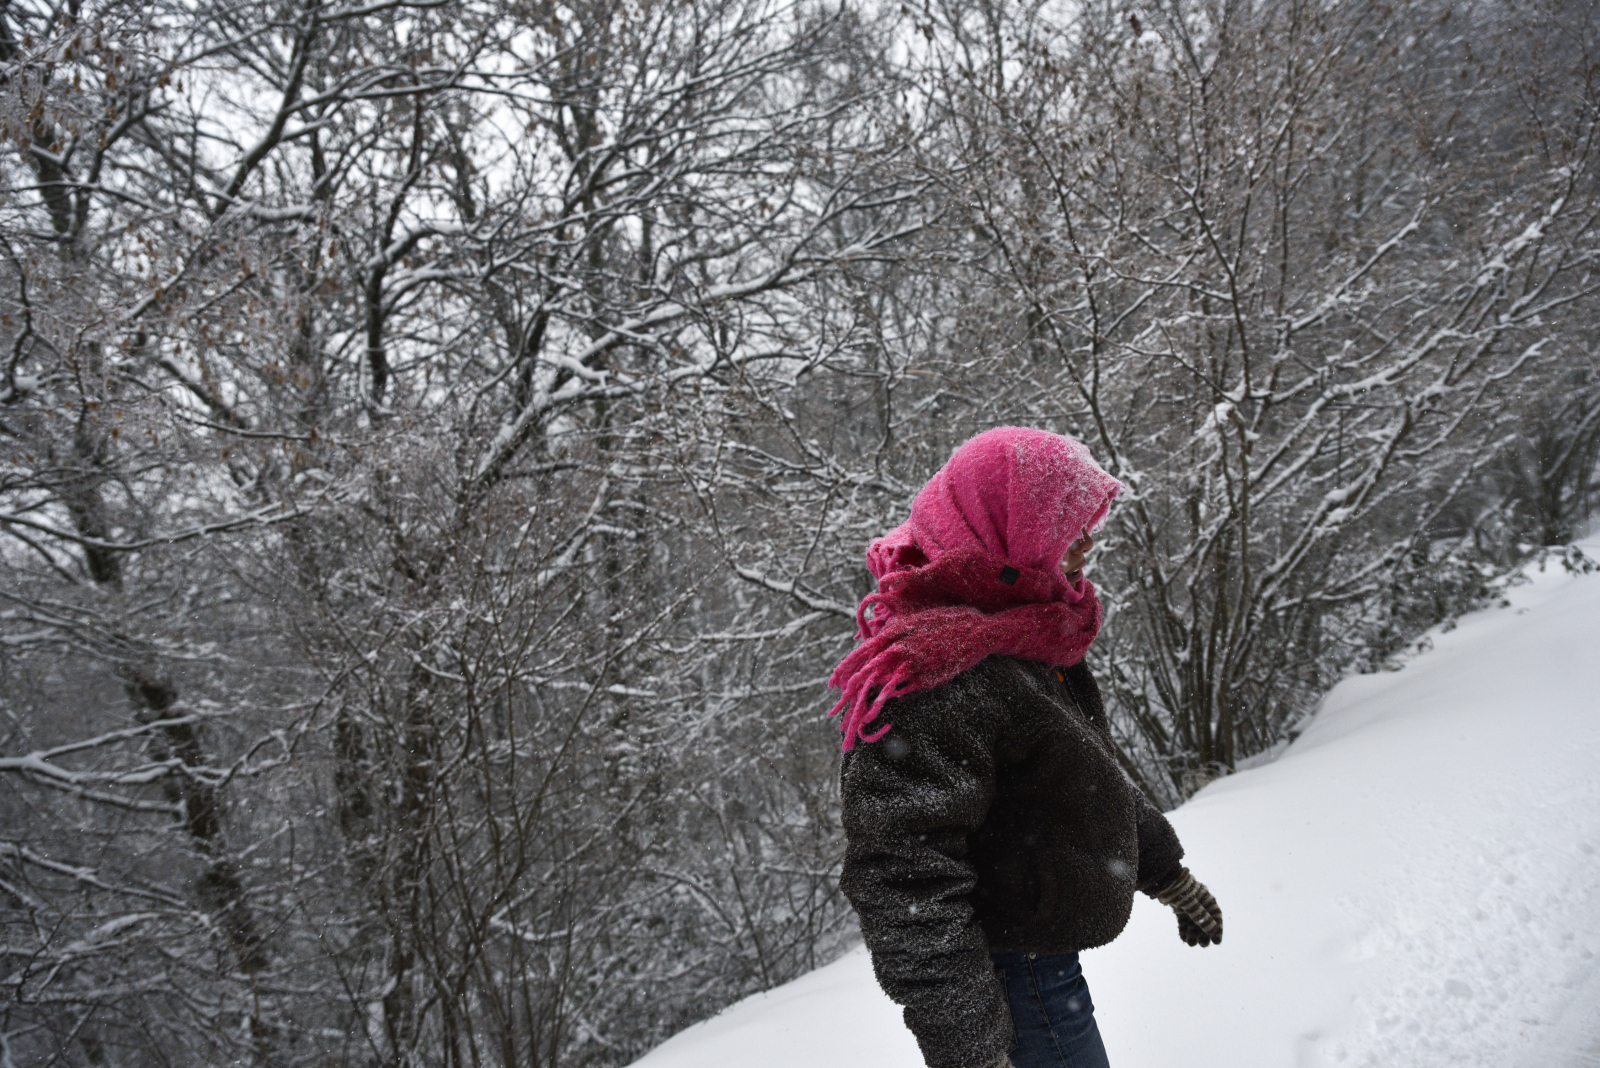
(993, 817)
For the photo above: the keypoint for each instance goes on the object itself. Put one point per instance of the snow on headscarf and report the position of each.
(974, 571)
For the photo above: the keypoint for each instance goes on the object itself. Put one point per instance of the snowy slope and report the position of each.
(1414, 883)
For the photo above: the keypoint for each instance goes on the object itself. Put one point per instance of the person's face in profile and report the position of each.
(1077, 554)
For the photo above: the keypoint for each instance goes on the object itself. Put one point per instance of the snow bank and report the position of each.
(1415, 882)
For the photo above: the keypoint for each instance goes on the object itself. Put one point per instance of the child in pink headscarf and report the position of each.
(991, 832)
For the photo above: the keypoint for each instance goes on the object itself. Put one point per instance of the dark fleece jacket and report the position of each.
(994, 815)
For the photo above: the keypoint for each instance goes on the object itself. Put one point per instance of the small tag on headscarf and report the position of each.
(1009, 575)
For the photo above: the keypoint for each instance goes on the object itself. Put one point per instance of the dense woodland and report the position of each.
(438, 439)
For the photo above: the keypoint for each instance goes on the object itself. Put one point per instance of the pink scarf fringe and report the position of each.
(908, 647)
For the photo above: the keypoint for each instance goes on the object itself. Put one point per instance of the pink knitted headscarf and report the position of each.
(974, 571)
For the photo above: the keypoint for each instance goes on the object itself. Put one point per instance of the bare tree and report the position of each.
(1293, 273)
(351, 348)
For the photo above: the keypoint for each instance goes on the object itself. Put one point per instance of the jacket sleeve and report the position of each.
(910, 800)
(1159, 849)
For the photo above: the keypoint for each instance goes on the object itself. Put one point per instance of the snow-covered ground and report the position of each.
(1414, 883)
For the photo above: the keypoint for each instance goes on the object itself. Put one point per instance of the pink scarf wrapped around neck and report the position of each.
(974, 571)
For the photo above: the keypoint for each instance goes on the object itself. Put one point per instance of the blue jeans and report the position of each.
(1052, 1012)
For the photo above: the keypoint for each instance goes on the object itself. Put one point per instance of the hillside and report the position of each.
(1415, 882)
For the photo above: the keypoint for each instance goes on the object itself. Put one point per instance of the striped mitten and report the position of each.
(1199, 917)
